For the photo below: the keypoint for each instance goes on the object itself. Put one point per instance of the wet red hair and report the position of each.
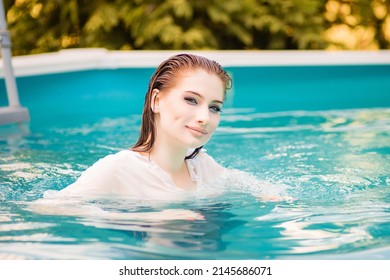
(163, 79)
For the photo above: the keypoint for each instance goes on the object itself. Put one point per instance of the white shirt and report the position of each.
(128, 173)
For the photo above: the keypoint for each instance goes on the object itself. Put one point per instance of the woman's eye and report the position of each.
(191, 100)
(215, 109)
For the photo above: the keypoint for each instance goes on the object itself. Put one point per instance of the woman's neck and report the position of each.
(168, 158)
(172, 160)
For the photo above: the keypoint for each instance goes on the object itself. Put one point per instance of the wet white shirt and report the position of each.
(128, 173)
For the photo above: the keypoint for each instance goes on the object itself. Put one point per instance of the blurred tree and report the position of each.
(293, 24)
(358, 24)
(43, 26)
(49, 25)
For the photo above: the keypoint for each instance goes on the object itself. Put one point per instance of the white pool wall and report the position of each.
(90, 59)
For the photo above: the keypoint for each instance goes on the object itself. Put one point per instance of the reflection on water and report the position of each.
(131, 232)
(316, 229)
(335, 164)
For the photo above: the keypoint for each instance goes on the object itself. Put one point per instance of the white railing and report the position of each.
(14, 112)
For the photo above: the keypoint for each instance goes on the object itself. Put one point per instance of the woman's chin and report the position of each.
(195, 144)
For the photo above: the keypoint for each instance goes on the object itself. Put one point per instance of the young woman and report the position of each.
(181, 112)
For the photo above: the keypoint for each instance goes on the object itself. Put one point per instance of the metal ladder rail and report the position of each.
(14, 112)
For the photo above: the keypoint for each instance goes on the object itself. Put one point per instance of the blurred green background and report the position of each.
(38, 26)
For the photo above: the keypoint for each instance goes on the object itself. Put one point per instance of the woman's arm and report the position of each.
(80, 208)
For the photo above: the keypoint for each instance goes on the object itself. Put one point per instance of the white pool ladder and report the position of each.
(14, 112)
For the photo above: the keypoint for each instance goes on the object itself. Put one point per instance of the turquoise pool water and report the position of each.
(320, 133)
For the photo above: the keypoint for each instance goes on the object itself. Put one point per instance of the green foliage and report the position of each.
(49, 25)
(371, 14)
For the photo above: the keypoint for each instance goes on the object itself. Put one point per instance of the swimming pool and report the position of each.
(319, 132)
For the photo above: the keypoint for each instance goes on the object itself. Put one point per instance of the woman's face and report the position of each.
(188, 114)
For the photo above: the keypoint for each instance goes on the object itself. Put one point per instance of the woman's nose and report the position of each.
(203, 115)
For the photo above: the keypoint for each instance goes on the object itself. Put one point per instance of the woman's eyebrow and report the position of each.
(202, 97)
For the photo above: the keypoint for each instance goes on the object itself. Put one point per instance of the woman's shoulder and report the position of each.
(109, 162)
(106, 173)
(123, 156)
(206, 167)
(205, 159)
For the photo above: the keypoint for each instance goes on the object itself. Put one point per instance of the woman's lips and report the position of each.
(196, 130)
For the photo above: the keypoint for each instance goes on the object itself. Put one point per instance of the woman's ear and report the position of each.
(155, 102)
